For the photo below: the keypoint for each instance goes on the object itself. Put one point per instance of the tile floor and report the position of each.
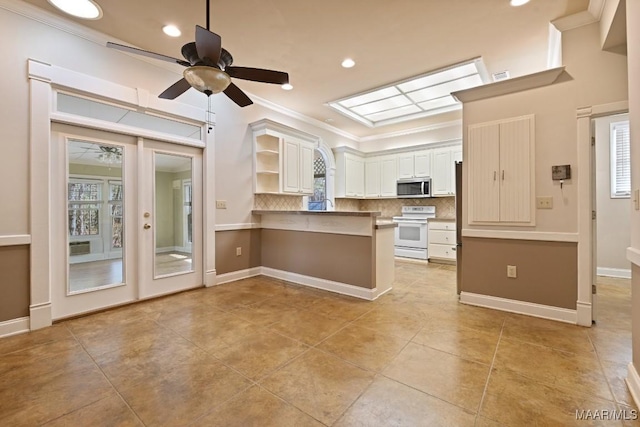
(267, 353)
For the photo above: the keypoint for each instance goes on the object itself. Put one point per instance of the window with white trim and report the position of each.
(620, 160)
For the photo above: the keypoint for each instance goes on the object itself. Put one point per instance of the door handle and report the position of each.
(147, 226)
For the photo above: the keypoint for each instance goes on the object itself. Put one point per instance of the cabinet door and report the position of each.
(291, 178)
(388, 176)
(306, 168)
(422, 163)
(372, 178)
(483, 170)
(405, 165)
(515, 171)
(354, 176)
(456, 156)
(441, 177)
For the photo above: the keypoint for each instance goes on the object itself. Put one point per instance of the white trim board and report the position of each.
(623, 273)
(633, 382)
(327, 285)
(14, 327)
(521, 235)
(633, 255)
(238, 275)
(15, 240)
(520, 307)
(242, 226)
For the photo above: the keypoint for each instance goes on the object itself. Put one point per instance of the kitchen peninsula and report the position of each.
(349, 252)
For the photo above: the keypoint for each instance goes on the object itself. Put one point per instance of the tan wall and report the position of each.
(14, 282)
(547, 271)
(633, 49)
(613, 219)
(226, 243)
(323, 255)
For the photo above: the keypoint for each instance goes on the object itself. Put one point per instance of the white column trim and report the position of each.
(14, 240)
(633, 255)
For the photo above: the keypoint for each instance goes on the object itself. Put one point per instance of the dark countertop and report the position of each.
(334, 213)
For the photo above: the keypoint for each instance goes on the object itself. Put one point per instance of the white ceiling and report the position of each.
(390, 40)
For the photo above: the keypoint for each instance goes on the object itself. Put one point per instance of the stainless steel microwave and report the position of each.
(414, 187)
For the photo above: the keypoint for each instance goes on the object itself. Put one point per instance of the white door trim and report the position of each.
(585, 194)
(43, 78)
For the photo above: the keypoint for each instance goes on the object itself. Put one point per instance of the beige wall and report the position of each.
(350, 257)
(250, 242)
(14, 282)
(633, 49)
(547, 272)
(613, 218)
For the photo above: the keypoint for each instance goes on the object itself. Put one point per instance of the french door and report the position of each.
(127, 219)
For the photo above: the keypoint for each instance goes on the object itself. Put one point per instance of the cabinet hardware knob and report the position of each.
(147, 226)
(503, 174)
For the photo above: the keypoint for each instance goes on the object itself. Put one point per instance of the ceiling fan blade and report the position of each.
(258, 75)
(175, 90)
(237, 95)
(208, 44)
(148, 54)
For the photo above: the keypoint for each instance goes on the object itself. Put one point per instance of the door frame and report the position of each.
(585, 194)
(45, 80)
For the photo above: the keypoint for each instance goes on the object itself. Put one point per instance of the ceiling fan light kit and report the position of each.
(209, 68)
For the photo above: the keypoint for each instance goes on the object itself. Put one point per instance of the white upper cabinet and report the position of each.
(350, 180)
(500, 172)
(415, 164)
(283, 159)
(443, 182)
(380, 176)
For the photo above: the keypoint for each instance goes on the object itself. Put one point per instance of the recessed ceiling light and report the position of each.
(287, 86)
(348, 63)
(85, 9)
(519, 2)
(172, 31)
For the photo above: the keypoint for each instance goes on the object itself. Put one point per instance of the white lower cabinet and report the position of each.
(442, 241)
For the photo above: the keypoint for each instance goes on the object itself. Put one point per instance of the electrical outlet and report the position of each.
(512, 271)
(544, 202)
(221, 204)
(238, 251)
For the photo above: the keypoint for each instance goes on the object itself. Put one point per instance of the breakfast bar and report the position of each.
(349, 252)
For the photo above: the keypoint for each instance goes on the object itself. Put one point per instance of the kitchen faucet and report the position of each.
(327, 200)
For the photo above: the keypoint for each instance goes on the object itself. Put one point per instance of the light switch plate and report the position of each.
(544, 202)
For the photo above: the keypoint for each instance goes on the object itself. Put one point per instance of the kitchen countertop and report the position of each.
(336, 213)
(442, 219)
(385, 223)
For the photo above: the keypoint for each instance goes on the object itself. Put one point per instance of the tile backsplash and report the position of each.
(445, 206)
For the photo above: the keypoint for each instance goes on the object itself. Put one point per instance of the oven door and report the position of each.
(411, 234)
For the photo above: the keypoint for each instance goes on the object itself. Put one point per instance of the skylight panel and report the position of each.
(424, 95)
(370, 97)
(382, 105)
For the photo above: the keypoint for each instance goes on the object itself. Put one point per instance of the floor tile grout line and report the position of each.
(606, 377)
(493, 361)
(106, 377)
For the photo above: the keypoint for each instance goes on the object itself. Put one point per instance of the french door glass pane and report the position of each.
(173, 234)
(95, 213)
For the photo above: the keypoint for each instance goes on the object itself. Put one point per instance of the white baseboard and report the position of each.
(210, 278)
(14, 327)
(633, 383)
(40, 316)
(520, 307)
(238, 275)
(327, 285)
(622, 273)
(584, 314)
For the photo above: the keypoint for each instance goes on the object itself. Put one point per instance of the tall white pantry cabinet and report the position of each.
(501, 172)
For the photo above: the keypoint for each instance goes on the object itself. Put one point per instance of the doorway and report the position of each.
(611, 179)
(126, 216)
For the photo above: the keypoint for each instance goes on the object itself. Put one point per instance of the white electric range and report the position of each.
(411, 237)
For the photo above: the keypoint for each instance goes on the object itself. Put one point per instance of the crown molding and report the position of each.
(45, 17)
(586, 17)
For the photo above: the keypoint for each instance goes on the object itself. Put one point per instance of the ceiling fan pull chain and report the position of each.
(209, 112)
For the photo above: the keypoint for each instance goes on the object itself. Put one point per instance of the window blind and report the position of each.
(620, 160)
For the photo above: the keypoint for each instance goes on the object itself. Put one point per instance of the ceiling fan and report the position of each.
(209, 68)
